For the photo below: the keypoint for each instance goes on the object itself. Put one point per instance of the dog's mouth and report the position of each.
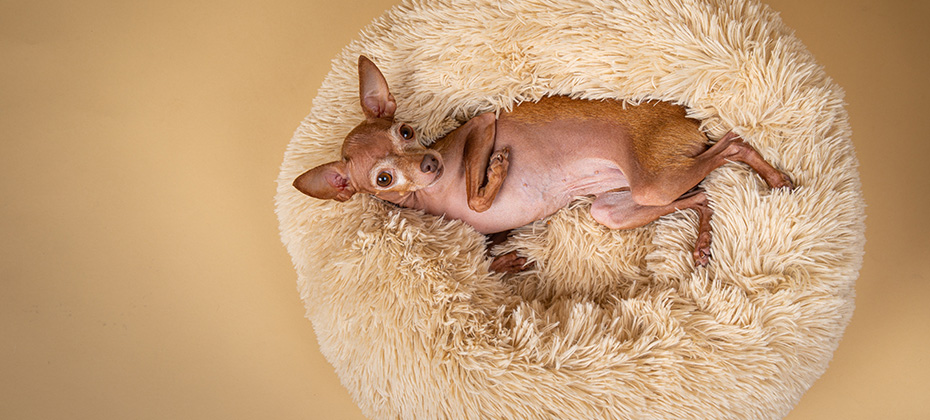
(437, 175)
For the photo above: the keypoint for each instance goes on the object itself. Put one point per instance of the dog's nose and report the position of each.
(429, 164)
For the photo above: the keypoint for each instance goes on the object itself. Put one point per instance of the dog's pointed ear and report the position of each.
(376, 99)
(329, 181)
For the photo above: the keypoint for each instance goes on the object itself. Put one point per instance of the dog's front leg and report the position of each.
(484, 172)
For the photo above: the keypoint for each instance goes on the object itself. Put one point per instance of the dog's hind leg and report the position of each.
(662, 186)
(617, 210)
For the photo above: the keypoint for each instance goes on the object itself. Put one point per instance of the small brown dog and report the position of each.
(640, 162)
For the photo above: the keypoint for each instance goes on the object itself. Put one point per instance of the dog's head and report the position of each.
(380, 156)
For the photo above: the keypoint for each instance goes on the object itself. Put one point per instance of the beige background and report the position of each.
(142, 275)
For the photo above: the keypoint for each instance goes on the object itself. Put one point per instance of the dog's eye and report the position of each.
(406, 132)
(384, 179)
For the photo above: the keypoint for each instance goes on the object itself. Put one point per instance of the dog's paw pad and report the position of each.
(501, 154)
(500, 161)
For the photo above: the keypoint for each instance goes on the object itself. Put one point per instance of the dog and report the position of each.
(497, 173)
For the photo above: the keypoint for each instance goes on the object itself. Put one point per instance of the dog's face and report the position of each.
(379, 156)
(384, 157)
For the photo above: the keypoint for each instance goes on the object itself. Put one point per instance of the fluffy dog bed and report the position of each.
(610, 324)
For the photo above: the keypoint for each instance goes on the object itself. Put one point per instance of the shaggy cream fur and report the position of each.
(612, 324)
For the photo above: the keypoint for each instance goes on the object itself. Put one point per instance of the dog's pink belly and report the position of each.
(528, 195)
(552, 162)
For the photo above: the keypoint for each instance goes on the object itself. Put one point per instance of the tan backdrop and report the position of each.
(142, 275)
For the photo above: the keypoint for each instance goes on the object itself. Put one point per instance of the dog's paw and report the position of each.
(510, 263)
(702, 249)
(500, 161)
(784, 182)
(501, 155)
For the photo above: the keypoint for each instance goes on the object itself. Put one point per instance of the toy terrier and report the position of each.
(496, 173)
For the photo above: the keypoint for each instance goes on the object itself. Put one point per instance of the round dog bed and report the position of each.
(609, 324)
